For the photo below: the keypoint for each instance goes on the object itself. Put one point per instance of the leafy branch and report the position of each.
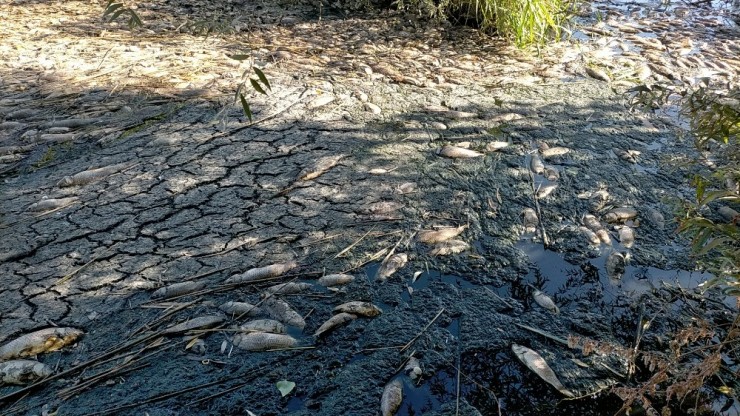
(114, 10)
(256, 84)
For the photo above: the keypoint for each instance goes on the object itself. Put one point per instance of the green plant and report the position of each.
(525, 22)
(114, 10)
(256, 84)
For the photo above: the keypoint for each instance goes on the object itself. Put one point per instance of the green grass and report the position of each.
(524, 22)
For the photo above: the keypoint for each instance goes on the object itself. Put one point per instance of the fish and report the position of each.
(51, 203)
(263, 341)
(320, 101)
(265, 272)
(531, 221)
(241, 308)
(392, 398)
(320, 167)
(546, 190)
(496, 145)
(263, 325)
(406, 188)
(289, 288)
(391, 265)
(591, 222)
(337, 279)
(365, 309)
(615, 265)
(536, 165)
(449, 247)
(43, 340)
(281, 311)
(177, 289)
(553, 152)
(23, 371)
(545, 301)
(195, 323)
(620, 214)
(656, 218)
(454, 152)
(590, 235)
(439, 235)
(626, 236)
(597, 73)
(551, 173)
(604, 236)
(627, 155)
(333, 322)
(532, 360)
(91, 175)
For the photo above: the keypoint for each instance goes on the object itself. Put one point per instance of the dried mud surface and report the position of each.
(202, 194)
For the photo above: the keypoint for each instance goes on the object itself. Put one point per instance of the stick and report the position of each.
(499, 298)
(79, 269)
(408, 344)
(545, 241)
(355, 243)
(164, 316)
(544, 334)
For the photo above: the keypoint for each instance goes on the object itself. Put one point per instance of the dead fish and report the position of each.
(263, 341)
(615, 265)
(320, 167)
(439, 235)
(357, 307)
(597, 73)
(413, 368)
(545, 190)
(177, 289)
(449, 247)
(406, 188)
(281, 311)
(591, 222)
(382, 207)
(263, 325)
(51, 203)
(195, 323)
(604, 236)
(627, 155)
(536, 165)
(372, 108)
(337, 279)
(23, 371)
(551, 173)
(44, 340)
(554, 151)
(643, 72)
(545, 301)
(454, 152)
(626, 236)
(289, 288)
(240, 308)
(532, 360)
(90, 175)
(590, 235)
(392, 398)
(390, 265)
(506, 117)
(531, 221)
(258, 273)
(333, 322)
(496, 145)
(320, 101)
(620, 214)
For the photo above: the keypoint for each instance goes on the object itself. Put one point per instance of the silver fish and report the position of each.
(531, 221)
(289, 288)
(545, 301)
(44, 340)
(626, 236)
(356, 307)
(50, 204)
(195, 323)
(281, 311)
(449, 247)
(620, 214)
(335, 279)
(263, 341)
(264, 325)
(333, 322)
(536, 165)
(454, 152)
(258, 273)
(241, 308)
(391, 265)
(539, 366)
(177, 289)
(392, 398)
(23, 371)
(590, 235)
(439, 235)
(91, 175)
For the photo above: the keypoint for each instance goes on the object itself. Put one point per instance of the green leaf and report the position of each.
(245, 107)
(256, 86)
(117, 14)
(239, 57)
(262, 77)
(112, 8)
(285, 387)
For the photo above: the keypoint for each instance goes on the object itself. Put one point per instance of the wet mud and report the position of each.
(196, 196)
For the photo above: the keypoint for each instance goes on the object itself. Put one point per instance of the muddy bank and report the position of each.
(195, 201)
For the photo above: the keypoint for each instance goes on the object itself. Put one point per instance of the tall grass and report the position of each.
(524, 22)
